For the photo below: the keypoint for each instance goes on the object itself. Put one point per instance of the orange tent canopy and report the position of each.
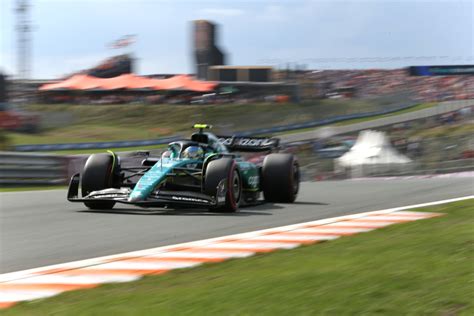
(76, 82)
(130, 81)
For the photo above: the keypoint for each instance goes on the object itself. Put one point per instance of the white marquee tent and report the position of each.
(372, 148)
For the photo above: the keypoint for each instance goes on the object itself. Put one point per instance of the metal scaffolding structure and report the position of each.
(23, 29)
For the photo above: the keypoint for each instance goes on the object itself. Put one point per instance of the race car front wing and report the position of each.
(158, 198)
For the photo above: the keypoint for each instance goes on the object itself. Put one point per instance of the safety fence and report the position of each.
(315, 172)
(27, 169)
(409, 169)
(430, 156)
(32, 169)
(17, 169)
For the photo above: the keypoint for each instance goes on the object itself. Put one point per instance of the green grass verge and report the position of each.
(446, 130)
(418, 107)
(419, 268)
(134, 122)
(93, 132)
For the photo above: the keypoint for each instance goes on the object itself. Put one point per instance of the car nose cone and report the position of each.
(135, 197)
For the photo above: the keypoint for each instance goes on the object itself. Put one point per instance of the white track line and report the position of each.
(203, 255)
(250, 245)
(133, 265)
(294, 238)
(360, 223)
(11, 296)
(58, 278)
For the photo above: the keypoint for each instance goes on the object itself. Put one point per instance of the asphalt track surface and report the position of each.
(40, 228)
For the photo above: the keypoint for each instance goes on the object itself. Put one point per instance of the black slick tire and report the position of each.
(216, 171)
(97, 175)
(280, 178)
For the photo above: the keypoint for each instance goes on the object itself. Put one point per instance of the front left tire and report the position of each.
(98, 175)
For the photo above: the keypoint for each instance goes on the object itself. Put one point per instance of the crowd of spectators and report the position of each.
(377, 82)
(177, 98)
(315, 84)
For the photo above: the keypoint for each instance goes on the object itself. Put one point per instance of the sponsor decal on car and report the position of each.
(255, 142)
(253, 181)
(226, 141)
(189, 199)
(248, 141)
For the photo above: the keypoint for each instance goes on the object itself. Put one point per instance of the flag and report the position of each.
(124, 41)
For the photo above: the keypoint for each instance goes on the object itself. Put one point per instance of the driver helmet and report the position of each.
(193, 152)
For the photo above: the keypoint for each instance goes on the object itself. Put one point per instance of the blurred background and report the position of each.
(78, 77)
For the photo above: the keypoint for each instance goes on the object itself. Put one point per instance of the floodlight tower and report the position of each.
(23, 29)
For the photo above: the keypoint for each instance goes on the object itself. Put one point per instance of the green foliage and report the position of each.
(4, 140)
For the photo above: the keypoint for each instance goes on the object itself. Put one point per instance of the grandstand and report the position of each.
(262, 83)
(375, 82)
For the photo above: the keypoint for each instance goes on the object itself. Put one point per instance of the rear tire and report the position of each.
(97, 175)
(216, 171)
(280, 178)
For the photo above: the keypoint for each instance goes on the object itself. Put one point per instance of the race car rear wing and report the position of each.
(249, 144)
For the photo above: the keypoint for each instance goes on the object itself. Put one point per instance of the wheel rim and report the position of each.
(236, 186)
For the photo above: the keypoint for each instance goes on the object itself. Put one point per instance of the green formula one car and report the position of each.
(203, 172)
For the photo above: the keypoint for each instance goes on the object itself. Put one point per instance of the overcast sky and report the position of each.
(70, 35)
